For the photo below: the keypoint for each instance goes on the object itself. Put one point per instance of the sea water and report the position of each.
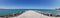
(4, 12)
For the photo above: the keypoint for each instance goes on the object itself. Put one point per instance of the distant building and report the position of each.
(57, 8)
(58, 11)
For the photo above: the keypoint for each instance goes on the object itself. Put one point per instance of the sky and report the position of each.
(29, 4)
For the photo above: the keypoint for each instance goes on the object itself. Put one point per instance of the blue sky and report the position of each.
(29, 4)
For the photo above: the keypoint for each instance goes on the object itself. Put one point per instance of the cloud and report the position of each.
(2, 7)
(7, 7)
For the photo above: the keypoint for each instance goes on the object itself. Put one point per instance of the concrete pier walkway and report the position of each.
(32, 14)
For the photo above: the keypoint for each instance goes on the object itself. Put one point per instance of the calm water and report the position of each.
(4, 12)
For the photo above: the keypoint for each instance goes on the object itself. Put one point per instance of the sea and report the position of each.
(4, 12)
